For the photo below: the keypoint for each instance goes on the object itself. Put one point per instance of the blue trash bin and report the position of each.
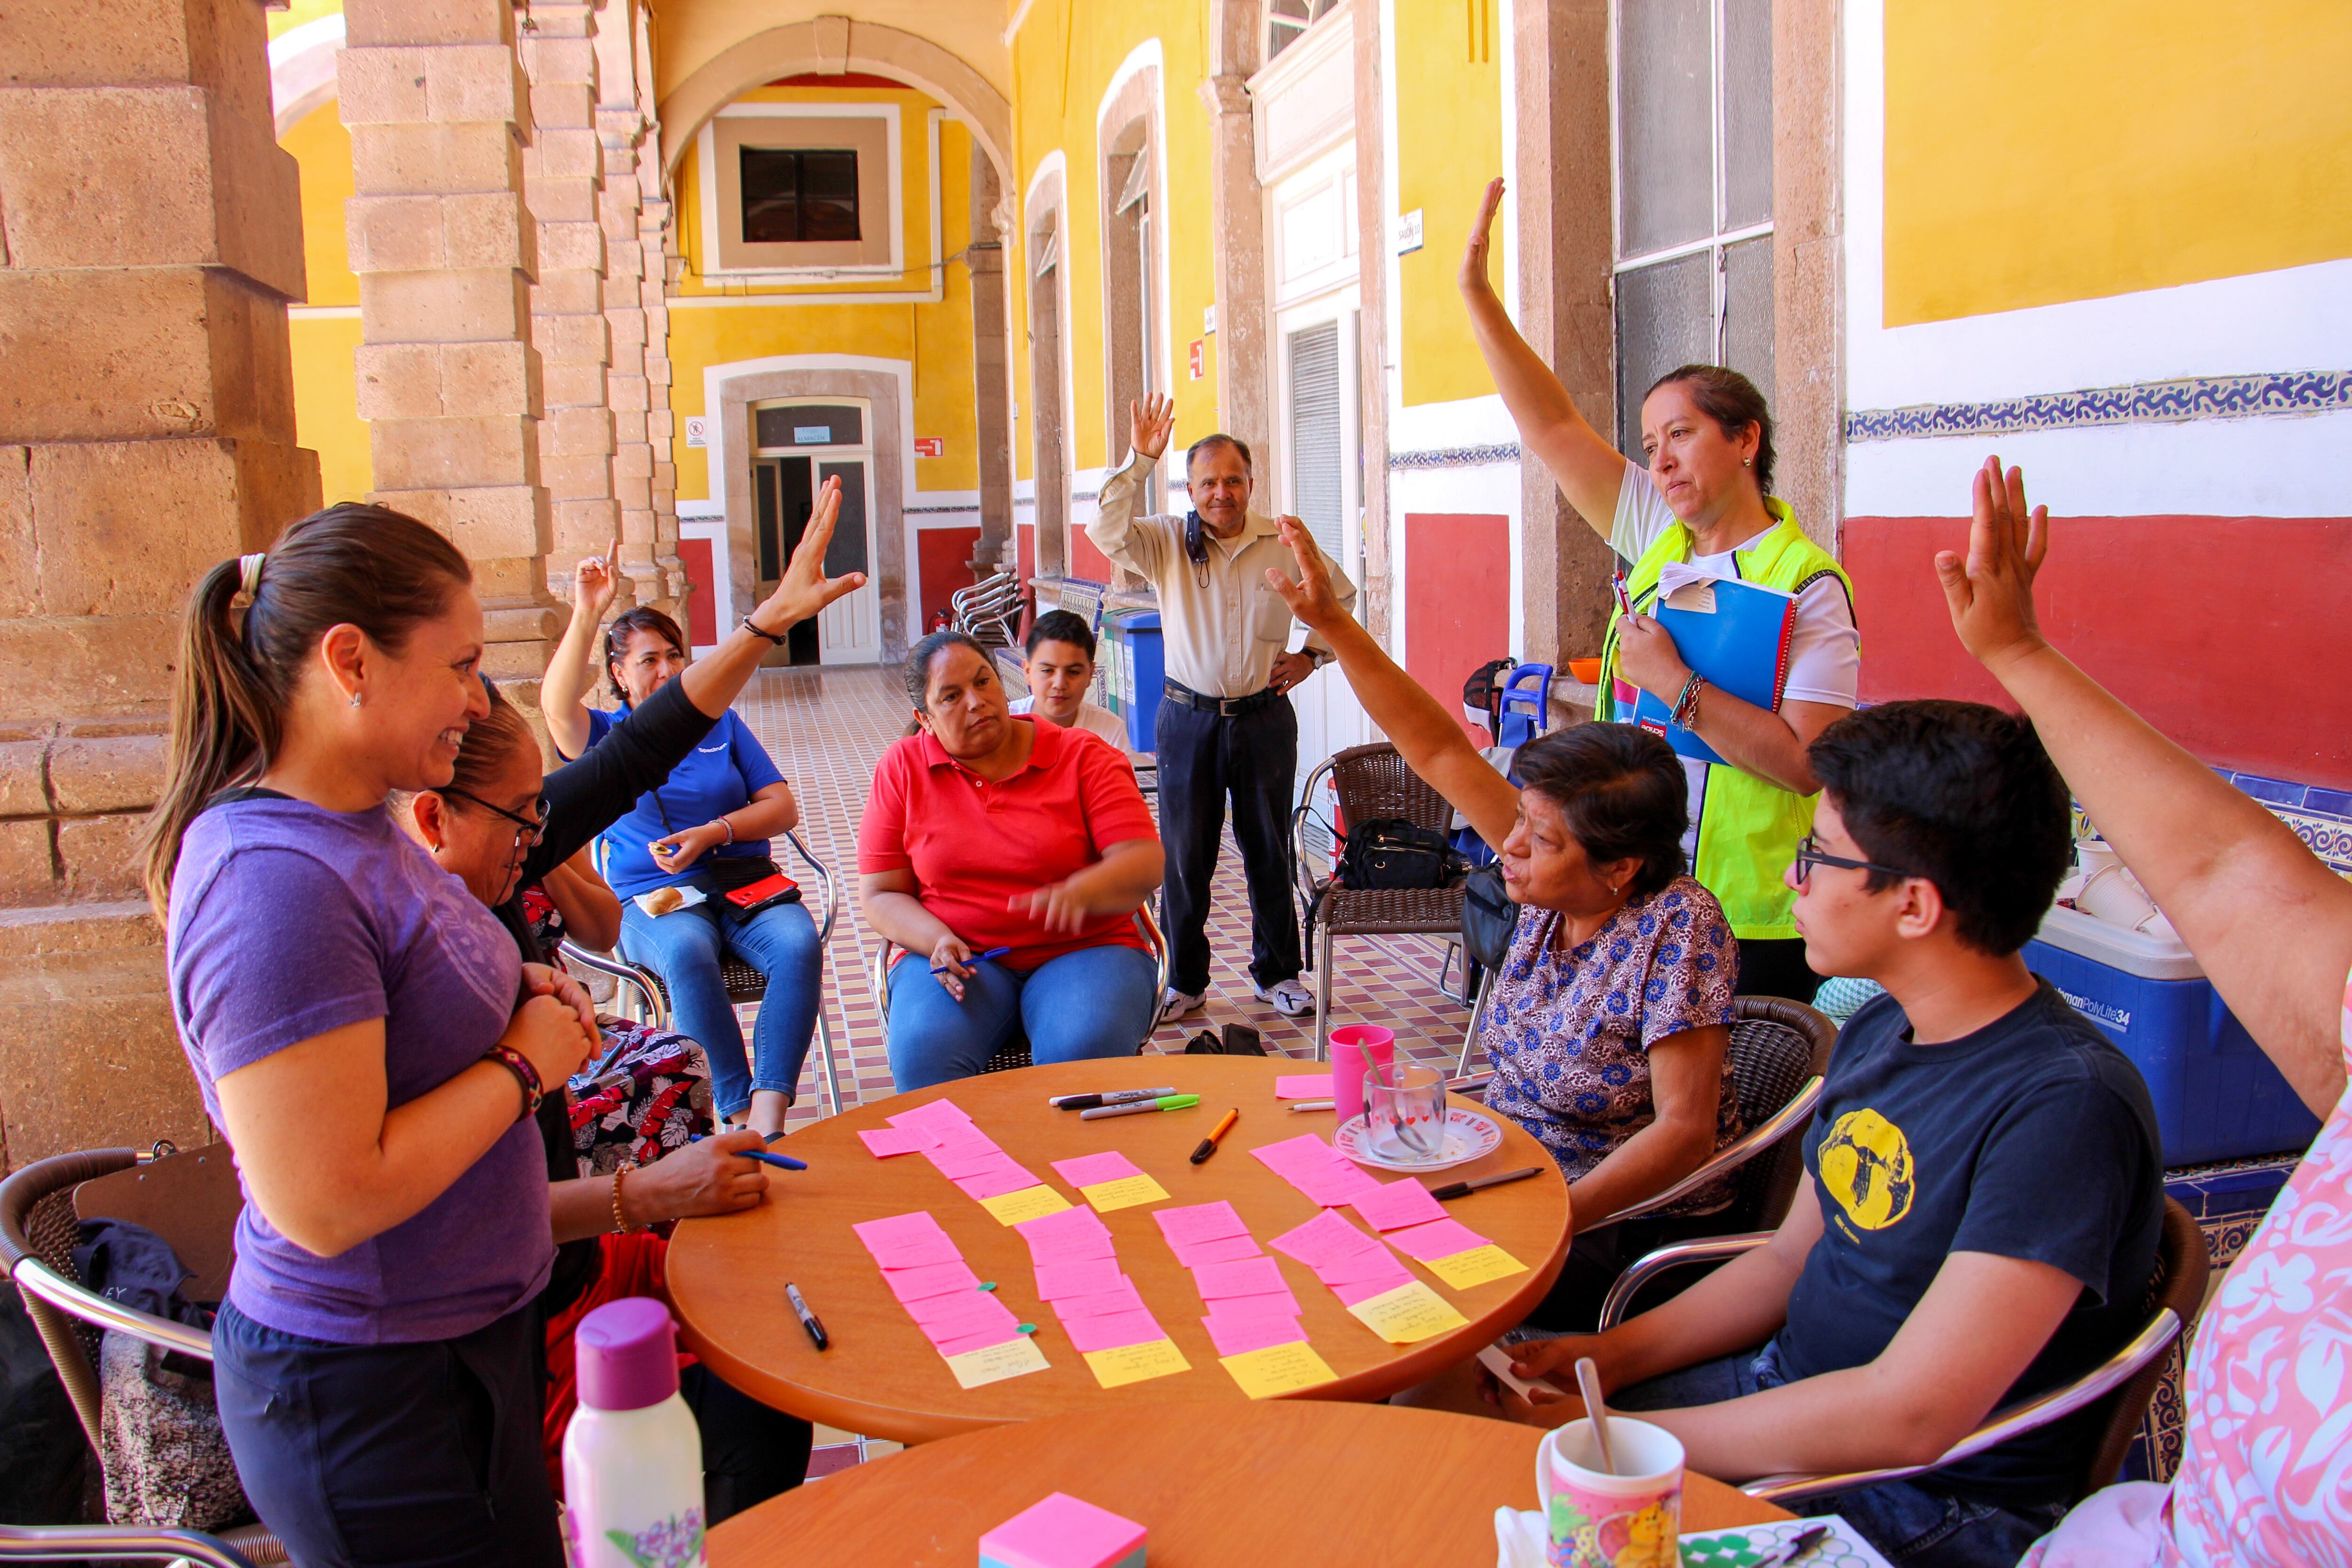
(1135, 670)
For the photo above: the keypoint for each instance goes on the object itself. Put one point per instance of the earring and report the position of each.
(1747, 462)
(355, 699)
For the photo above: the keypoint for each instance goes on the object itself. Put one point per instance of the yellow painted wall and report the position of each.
(326, 408)
(297, 13)
(935, 335)
(1064, 61)
(2037, 153)
(1449, 141)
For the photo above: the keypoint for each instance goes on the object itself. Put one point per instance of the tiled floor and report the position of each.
(827, 727)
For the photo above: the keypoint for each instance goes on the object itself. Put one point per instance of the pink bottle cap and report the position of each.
(626, 1354)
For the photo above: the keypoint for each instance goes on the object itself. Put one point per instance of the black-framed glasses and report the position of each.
(535, 828)
(1809, 855)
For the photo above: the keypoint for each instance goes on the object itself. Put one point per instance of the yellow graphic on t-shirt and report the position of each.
(1866, 1166)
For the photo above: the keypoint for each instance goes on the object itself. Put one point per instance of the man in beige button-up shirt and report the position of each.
(1225, 724)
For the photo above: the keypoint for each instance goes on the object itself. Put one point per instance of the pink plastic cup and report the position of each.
(1354, 1047)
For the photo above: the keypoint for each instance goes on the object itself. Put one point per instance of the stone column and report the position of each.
(1243, 323)
(1808, 253)
(445, 252)
(1375, 202)
(1561, 178)
(562, 178)
(992, 367)
(150, 239)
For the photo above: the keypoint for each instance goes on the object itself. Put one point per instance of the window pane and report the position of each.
(770, 182)
(847, 551)
(1664, 320)
(1315, 472)
(810, 425)
(829, 194)
(1747, 112)
(1748, 310)
(1665, 104)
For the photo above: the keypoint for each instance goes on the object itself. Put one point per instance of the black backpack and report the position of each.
(1389, 852)
(1482, 691)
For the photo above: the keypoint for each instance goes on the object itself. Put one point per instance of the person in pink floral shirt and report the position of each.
(2265, 1476)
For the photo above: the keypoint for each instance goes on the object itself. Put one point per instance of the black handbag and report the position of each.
(1489, 919)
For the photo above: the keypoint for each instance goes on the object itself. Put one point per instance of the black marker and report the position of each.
(808, 1318)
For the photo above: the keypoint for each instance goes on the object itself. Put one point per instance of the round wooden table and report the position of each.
(881, 1376)
(1279, 1481)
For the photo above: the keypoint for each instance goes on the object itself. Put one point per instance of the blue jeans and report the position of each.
(1912, 1524)
(683, 947)
(1095, 1002)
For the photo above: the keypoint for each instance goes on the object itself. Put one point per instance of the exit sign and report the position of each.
(930, 445)
(1195, 359)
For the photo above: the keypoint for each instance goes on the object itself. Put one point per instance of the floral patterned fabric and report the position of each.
(2265, 1476)
(648, 1092)
(1569, 1033)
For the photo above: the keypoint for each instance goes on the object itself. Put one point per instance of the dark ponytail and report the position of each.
(1731, 400)
(368, 566)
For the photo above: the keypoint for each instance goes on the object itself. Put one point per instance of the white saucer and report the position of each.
(1468, 1136)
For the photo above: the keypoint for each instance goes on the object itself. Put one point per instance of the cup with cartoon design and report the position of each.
(1600, 1520)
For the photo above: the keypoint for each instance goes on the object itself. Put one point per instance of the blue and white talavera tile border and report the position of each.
(2321, 817)
(1455, 457)
(2267, 395)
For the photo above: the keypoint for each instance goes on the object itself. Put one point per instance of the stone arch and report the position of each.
(302, 70)
(832, 45)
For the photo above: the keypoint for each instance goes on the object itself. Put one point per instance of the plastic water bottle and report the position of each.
(633, 1456)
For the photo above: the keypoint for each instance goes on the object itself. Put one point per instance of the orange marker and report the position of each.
(1209, 1144)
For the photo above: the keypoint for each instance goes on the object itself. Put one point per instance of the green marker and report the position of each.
(1165, 1102)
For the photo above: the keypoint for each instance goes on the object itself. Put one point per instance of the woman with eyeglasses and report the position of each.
(696, 834)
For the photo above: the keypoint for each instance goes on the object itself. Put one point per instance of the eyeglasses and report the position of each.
(1809, 855)
(532, 828)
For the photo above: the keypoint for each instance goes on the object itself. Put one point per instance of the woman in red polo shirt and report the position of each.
(986, 830)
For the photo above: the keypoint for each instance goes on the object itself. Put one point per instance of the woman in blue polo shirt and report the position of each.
(705, 829)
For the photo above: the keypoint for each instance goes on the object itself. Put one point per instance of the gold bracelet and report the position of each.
(620, 1222)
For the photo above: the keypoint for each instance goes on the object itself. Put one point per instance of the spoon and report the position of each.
(1587, 1382)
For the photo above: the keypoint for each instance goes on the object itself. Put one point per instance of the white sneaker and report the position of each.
(1176, 1003)
(1288, 998)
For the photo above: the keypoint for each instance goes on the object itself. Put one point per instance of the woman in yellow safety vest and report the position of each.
(1705, 499)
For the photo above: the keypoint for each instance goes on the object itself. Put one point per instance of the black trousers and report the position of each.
(1204, 757)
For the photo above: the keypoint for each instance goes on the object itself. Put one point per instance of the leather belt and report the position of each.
(1224, 706)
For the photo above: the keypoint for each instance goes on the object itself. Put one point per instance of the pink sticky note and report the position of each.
(996, 1183)
(973, 1159)
(930, 1280)
(1244, 1276)
(1110, 1331)
(1240, 1335)
(1280, 1301)
(938, 1113)
(1303, 1086)
(1224, 1249)
(1066, 1247)
(1375, 1263)
(1083, 1277)
(965, 1312)
(1087, 1169)
(1062, 1531)
(896, 1245)
(1200, 1222)
(1286, 1154)
(1051, 1235)
(885, 1141)
(1438, 1238)
(979, 1341)
(1365, 1289)
(899, 1228)
(1396, 1205)
(1325, 1236)
(1122, 1296)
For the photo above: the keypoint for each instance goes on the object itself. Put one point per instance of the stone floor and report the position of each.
(826, 728)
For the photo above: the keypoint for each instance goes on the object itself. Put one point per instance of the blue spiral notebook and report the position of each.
(1735, 634)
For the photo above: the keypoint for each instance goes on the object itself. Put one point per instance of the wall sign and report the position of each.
(698, 430)
(1195, 359)
(1408, 231)
(930, 445)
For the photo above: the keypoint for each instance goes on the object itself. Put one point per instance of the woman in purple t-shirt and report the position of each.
(368, 1038)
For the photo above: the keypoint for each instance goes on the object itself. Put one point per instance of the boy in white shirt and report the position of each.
(1060, 651)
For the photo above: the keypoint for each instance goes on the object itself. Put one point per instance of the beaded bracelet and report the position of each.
(1686, 705)
(525, 1075)
(620, 1221)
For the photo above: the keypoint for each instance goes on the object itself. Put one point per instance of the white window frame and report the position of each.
(705, 153)
(1334, 168)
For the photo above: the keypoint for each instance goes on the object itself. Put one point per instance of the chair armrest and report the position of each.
(2026, 1416)
(1476, 1084)
(1710, 1249)
(134, 1543)
(1734, 1154)
(1299, 815)
(35, 1277)
(826, 880)
(877, 975)
(656, 1009)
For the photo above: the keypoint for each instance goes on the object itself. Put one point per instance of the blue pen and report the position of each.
(783, 1161)
(976, 958)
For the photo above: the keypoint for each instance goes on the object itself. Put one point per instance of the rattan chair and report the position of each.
(2123, 1383)
(743, 983)
(1373, 781)
(38, 1226)
(1014, 1052)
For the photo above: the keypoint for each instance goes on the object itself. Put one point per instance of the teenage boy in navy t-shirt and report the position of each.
(1982, 1198)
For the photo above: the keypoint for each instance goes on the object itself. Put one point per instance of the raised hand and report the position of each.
(1310, 598)
(1152, 421)
(805, 589)
(1473, 254)
(1990, 593)
(597, 579)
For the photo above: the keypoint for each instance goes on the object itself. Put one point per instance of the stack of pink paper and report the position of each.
(1355, 1266)
(943, 1133)
(924, 1271)
(1250, 1305)
(1308, 1163)
(1079, 1275)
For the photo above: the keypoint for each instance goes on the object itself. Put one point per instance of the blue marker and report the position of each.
(977, 958)
(783, 1161)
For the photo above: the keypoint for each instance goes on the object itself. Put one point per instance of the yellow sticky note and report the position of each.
(994, 1363)
(1133, 1364)
(1475, 1266)
(1278, 1369)
(1012, 1208)
(1124, 1194)
(1408, 1314)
